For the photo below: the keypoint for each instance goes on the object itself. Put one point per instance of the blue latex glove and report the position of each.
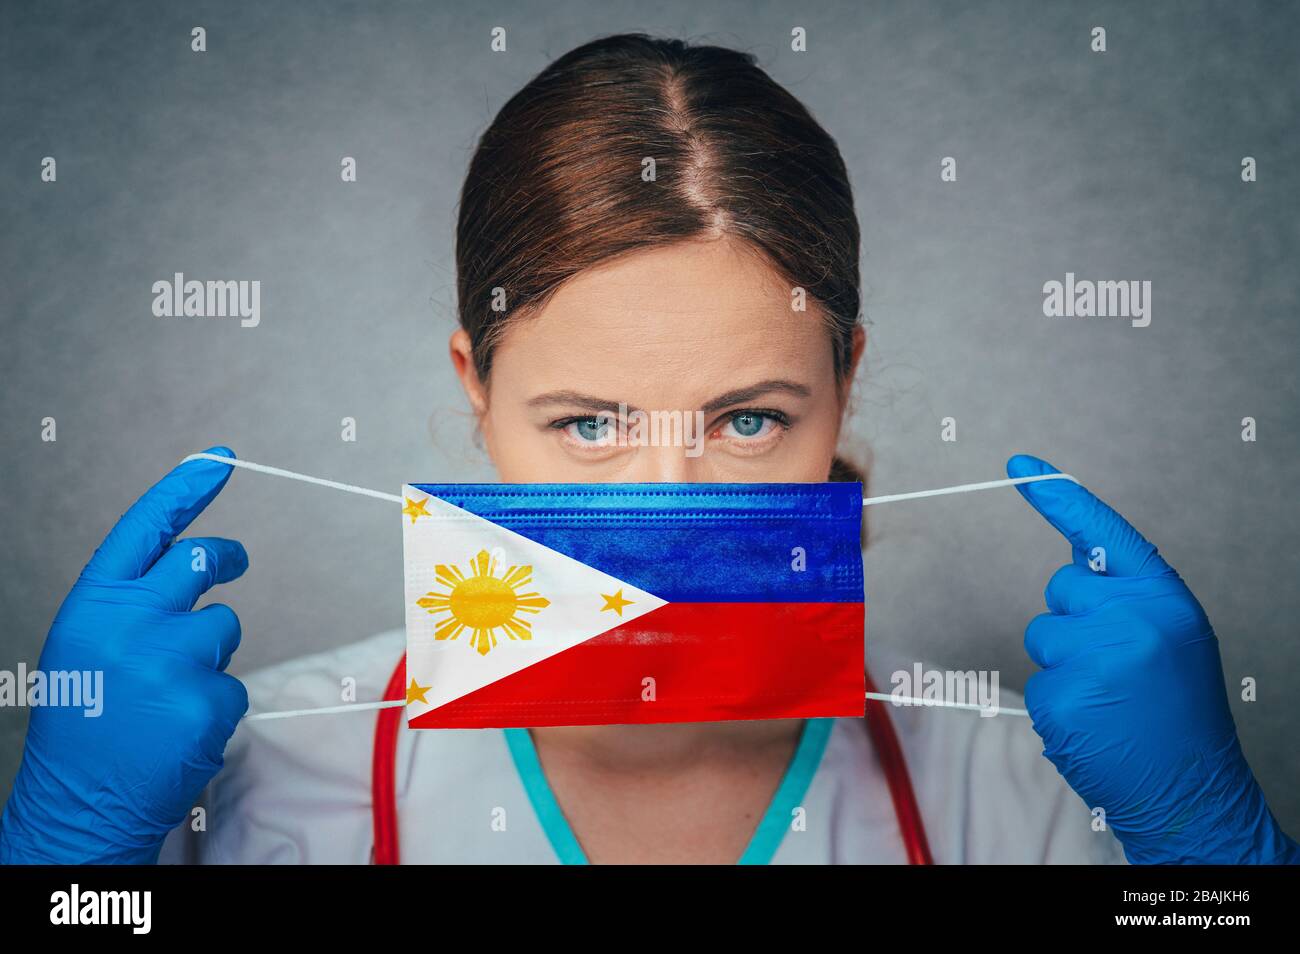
(1131, 703)
(107, 790)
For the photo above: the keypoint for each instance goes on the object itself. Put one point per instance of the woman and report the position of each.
(657, 226)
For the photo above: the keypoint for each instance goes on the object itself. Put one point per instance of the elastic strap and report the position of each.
(394, 498)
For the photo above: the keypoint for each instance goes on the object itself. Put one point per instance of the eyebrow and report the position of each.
(728, 399)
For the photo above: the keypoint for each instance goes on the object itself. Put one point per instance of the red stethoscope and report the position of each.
(383, 782)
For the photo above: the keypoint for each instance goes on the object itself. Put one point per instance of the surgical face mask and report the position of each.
(580, 604)
(587, 604)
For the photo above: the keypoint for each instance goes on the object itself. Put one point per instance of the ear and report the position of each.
(855, 357)
(462, 360)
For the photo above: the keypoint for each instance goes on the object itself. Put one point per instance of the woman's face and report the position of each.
(700, 337)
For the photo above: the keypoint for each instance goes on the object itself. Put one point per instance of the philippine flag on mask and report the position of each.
(590, 604)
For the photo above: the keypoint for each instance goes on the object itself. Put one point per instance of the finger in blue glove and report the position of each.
(1130, 702)
(108, 789)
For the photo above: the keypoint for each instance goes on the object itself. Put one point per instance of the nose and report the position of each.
(658, 465)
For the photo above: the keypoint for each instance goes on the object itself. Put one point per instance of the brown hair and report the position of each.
(556, 185)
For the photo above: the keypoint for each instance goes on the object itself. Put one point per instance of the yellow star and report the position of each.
(415, 693)
(415, 509)
(615, 602)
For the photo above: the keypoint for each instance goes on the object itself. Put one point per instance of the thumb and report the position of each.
(1086, 521)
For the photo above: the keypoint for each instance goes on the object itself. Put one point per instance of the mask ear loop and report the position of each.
(394, 498)
(966, 488)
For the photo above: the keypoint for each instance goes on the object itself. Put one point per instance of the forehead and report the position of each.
(679, 322)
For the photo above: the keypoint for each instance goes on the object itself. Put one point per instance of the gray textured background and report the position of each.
(226, 165)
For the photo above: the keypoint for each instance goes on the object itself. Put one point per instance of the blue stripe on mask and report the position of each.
(693, 543)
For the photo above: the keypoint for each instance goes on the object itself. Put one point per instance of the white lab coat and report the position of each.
(297, 791)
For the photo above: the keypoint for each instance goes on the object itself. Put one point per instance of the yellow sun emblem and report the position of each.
(483, 602)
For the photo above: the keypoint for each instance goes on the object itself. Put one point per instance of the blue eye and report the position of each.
(589, 429)
(747, 425)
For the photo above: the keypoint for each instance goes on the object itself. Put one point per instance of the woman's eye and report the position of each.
(748, 425)
(589, 430)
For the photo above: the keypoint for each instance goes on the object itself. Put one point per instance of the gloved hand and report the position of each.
(108, 789)
(1130, 702)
